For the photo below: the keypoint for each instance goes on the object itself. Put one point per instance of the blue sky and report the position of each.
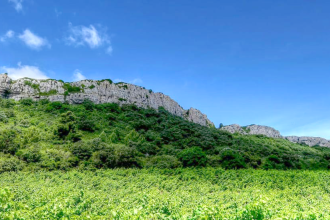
(243, 61)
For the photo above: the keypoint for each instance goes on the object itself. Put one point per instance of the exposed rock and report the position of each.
(273, 133)
(103, 91)
(310, 141)
(253, 129)
(234, 128)
(265, 130)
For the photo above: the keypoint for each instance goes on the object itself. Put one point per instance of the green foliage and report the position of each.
(68, 88)
(164, 162)
(3, 117)
(91, 87)
(67, 129)
(194, 156)
(34, 86)
(10, 163)
(49, 93)
(207, 193)
(122, 99)
(27, 102)
(54, 135)
(232, 160)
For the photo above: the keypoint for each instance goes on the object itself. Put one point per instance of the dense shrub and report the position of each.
(232, 160)
(163, 162)
(27, 102)
(47, 135)
(194, 156)
(10, 163)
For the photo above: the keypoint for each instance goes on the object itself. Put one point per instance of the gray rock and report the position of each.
(253, 129)
(98, 92)
(310, 141)
(234, 128)
(273, 133)
(264, 130)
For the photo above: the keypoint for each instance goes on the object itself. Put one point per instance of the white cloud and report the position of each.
(88, 36)
(17, 4)
(22, 71)
(136, 81)
(8, 35)
(109, 50)
(77, 75)
(33, 41)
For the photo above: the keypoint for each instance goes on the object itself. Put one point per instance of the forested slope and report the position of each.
(51, 135)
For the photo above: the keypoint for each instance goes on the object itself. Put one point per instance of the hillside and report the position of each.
(53, 135)
(103, 91)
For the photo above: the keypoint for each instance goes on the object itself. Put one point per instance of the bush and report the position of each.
(89, 105)
(148, 148)
(30, 155)
(3, 117)
(125, 156)
(8, 142)
(193, 156)
(86, 123)
(54, 106)
(163, 162)
(10, 163)
(68, 127)
(82, 150)
(26, 102)
(272, 162)
(232, 160)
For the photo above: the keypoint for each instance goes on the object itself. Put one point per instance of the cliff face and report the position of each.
(271, 132)
(103, 91)
(253, 129)
(310, 141)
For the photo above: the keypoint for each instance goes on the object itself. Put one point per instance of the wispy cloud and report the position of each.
(57, 12)
(22, 71)
(136, 81)
(91, 36)
(33, 41)
(9, 34)
(77, 75)
(109, 50)
(17, 4)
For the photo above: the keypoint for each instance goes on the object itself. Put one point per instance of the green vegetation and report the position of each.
(88, 136)
(51, 92)
(92, 87)
(68, 88)
(34, 86)
(103, 80)
(122, 99)
(208, 193)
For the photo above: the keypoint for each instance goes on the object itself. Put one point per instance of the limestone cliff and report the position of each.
(271, 132)
(104, 91)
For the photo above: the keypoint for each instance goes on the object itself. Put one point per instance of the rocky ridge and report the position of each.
(104, 91)
(273, 133)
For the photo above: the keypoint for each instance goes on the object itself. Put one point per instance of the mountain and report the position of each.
(103, 91)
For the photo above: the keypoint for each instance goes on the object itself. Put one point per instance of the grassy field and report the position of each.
(206, 193)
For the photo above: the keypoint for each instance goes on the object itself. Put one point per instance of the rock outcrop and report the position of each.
(104, 91)
(273, 133)
(253, 129)
(310, 141)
